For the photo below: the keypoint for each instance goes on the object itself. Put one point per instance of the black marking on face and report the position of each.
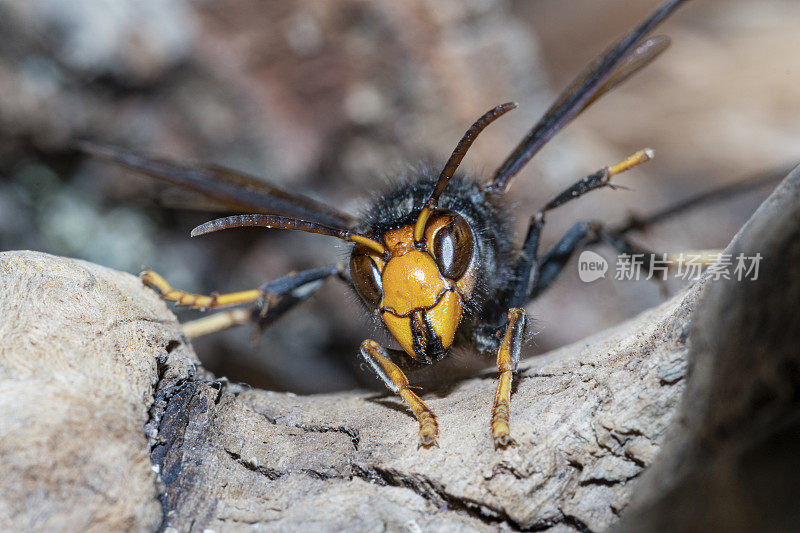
(426, 342)
(435, 350)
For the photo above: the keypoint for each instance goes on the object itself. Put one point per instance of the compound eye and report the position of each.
(366, 279)
(452, 247)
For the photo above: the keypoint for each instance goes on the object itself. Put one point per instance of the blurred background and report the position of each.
(333, 98)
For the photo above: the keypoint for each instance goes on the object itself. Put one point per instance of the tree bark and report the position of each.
(97, 375)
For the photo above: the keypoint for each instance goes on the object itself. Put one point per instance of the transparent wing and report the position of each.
(224, 189)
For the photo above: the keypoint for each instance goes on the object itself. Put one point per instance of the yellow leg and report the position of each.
(197, 301)
(218, 322)
(297, 285)
(700, 257)
(507, 361)
(397, 382)
(642, 156)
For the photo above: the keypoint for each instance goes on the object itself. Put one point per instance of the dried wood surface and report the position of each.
(96, 376)
(732, 460)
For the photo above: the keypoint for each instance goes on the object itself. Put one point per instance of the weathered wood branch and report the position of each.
(733, 459)
(97, 375)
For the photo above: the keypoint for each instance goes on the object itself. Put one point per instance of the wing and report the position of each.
(642, 56)
(623, 59)
(221, 188)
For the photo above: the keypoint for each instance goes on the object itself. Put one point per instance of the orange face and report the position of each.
(419, 289)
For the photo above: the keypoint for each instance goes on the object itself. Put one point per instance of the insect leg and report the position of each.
(397, 382)
(218, 322)
(533, 275)
(597, 180)
(636, 222)
(507, 361)
(527, 270)
(580, 234)
(271, 299)
(585, 233)
(196, 301)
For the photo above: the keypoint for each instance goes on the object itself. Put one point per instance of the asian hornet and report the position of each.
(432, 260)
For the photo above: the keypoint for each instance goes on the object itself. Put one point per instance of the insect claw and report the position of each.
(614, 187)
(427, 441)
(504, 441)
